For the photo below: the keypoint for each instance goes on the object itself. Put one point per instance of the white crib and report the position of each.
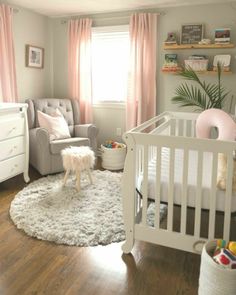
(165, 162)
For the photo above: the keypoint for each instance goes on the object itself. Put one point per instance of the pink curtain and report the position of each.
(141, 100)
(8, 86)
(80, 78)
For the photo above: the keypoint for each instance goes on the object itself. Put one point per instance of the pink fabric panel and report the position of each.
(141, 100)
(7, 56)
(80, 77)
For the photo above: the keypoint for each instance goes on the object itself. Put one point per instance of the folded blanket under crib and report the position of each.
(178, 180)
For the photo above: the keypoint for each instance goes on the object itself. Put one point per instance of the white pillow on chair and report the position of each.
(55, 124)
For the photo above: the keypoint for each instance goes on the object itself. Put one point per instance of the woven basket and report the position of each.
(113, 159)
(215, 280)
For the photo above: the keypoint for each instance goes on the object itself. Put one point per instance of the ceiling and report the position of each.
(55, 8)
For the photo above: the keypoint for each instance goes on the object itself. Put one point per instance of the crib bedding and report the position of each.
(192, 180)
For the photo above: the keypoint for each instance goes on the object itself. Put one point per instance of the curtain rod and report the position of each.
(64, 21)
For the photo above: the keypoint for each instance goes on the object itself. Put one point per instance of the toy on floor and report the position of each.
(111, 144)
(225, 254)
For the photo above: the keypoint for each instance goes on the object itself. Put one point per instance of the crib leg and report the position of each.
(128, 244)
(128, 197)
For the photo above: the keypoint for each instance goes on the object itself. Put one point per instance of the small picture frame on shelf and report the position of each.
(191, 33)
(222, 36)
(34, 56)
(171, 39)
(223, 60)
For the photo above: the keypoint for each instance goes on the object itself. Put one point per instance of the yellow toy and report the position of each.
(232, 247)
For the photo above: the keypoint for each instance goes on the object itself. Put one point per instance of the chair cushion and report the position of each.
(55, 124)
(57, 145)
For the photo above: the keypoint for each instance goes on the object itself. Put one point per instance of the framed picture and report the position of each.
(34, 56)
(191, 33)
(222, 36)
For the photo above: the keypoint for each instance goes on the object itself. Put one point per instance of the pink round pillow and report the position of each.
(216, 118)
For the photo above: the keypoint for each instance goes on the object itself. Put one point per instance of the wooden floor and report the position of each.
(30, 266)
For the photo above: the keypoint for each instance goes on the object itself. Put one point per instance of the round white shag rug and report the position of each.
(47, 210)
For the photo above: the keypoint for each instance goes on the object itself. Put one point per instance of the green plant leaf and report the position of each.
(204, 95)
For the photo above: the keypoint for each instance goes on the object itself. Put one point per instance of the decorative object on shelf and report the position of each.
(171, 39)
(224, 61)
(198, 63)
(205, 42)
(170, 63)
(205, 96)
(222, 36)
(191, 33)
(198, 46)
(34, 56)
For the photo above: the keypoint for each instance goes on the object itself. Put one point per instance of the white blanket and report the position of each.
(178, 180)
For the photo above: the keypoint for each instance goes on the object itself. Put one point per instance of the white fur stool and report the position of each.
(77, 159)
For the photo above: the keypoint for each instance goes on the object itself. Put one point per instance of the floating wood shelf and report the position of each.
(197, 46)
(202, 72)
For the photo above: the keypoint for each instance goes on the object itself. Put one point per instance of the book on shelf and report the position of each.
(170, 63)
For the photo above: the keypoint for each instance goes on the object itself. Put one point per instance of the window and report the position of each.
(110, 54)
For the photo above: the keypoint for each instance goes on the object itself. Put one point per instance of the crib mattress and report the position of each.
(192, 180)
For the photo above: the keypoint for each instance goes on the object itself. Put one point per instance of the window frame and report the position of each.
(107, 29)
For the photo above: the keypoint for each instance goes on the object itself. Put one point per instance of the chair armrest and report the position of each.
(89, 131)
(42, 136)
(40, 156)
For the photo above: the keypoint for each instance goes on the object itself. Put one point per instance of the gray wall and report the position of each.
(108, 119)
(35, 29)
(32, 28)
(212, 16)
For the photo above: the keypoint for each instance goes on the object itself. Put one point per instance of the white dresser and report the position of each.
(14, 140)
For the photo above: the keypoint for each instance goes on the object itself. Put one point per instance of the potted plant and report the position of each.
(204, 95)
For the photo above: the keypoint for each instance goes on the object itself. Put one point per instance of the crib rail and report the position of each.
(173, 133)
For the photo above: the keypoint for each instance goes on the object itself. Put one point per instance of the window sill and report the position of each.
(109, 105)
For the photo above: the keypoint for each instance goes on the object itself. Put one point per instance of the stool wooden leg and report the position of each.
(66, 176)
(90, 176)
(78, 180)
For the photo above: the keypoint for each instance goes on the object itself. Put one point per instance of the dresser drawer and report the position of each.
(11, 127)
(12, 167)
(11, 147)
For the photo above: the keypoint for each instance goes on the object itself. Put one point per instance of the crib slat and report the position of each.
(212, 212)
(193, 123)
(228, 197)
(184, 127)
(172, 127)
(158, 187)
(197, 223)
(184, 193)
(171, 190)
(145, 185)
(177, 127)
